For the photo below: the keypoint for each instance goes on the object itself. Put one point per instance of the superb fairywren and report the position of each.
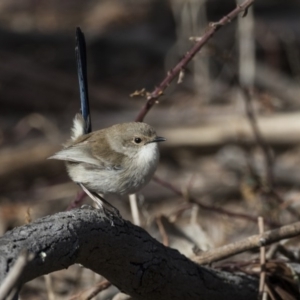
(119, 159)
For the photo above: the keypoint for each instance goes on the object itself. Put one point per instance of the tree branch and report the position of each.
(173, 73)
(252, 242)
(124, 254)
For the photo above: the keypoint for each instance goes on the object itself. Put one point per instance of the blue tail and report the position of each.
(80, 51)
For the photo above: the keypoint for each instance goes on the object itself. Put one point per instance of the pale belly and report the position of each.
(116, 181)
(110, 182)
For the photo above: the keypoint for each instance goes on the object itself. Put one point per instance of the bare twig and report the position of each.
(252, 242)
(281, 201)
(134, 210)
(77, 201)
(288, 253)
(262, 279)
(161, 228)
(49, 287)
(92, 292)
(270, 293)
(177, 213)
(173, 73)
(261, 142)
(259, 138)
(9, 284)
(219, 210)
(266, 151)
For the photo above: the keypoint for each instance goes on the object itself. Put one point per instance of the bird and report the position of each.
(119, 160)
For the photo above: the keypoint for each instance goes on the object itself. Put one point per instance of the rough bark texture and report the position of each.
(125, 254)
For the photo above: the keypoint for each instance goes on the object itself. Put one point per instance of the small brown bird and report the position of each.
(120, 159)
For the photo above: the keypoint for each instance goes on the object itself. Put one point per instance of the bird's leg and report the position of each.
(100, 201)
(114, 210)
(90, 194)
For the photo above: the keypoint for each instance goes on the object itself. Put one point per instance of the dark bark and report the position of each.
(123, 253)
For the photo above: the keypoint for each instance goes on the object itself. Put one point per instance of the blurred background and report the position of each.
(212, 155)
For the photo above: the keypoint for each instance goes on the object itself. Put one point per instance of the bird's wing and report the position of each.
(82, 154)
(75, 153)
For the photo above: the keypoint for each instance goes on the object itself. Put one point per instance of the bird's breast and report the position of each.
(143, 165)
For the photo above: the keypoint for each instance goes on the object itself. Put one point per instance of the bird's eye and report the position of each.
(137, 140)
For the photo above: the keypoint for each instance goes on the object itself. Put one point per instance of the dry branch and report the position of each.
(262, 279)
(252, 242)
(201, 41)
(92, 292)
(260, 141)
(10, 281)
(124, 254)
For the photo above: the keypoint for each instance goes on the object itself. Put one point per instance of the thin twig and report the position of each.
(270, 293)
(259, 138)
(289, 254)
(266, 151)
(11, 280)
(49, 287)
(93, 291)
(177, 213)
(173, 73)
(281, 201)
(134, 210)
(262, 291)
(77, 201)
(161, 228)
(261, 142)
(219, 210)
(252, 242)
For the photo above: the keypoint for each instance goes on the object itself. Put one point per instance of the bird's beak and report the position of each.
(158, 139)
